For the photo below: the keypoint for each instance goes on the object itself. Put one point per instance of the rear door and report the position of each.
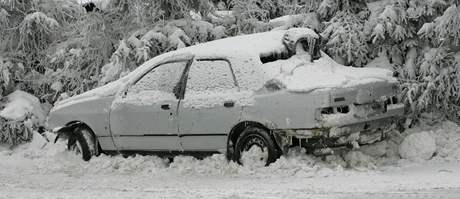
(209, 108)
(145, 118)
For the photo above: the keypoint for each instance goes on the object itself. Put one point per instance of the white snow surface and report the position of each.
(40, 170)
(21, 104)
(297, 73)
(246, 45)
(285, 18)
(301, 75)
(418, 146)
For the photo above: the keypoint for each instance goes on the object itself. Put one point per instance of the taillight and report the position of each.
(343, 109)
(333, 110)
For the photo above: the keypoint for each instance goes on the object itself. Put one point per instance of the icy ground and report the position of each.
(36, 170)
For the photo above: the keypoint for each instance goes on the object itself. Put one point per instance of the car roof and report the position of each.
(253, 44)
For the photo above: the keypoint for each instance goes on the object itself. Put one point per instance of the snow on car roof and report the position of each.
(295, 73)
(300, 75)
(252, 45)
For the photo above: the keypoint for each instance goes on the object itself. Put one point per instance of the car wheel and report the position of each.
(81, 142)
(255, 146)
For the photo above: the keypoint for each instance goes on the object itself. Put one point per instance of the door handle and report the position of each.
(165, 107)
(229, 104)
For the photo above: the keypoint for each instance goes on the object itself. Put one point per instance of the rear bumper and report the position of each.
(342, 124)
(346, 129)
(361, 115)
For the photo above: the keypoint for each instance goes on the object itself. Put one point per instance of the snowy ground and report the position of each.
(31, 171)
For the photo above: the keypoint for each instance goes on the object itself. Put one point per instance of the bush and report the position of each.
(14, 132)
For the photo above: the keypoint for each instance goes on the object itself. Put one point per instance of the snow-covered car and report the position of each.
(269, 91)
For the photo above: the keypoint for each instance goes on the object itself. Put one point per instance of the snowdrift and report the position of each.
(21, 112)
(52, 158)
(20, 105)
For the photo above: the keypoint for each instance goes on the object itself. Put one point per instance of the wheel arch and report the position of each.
(70, 127)
(239, 128)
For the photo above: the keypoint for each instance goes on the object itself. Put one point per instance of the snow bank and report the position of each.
(358, 159)
(53, 158)
(418, 146)
(446, 136)
(4, 147)
(20, 105)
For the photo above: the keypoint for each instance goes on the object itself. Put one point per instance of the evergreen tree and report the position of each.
(54, 47)
(344, 31)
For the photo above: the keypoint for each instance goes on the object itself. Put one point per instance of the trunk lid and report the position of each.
(298, 75)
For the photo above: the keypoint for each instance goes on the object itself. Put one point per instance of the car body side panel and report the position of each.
(291, 110)
(285, 110)
(207, 128)
(206, 119)
(106, 143)
(92, 112)
(145, 127)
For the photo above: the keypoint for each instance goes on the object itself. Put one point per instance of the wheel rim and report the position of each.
(254, 153)
(253, 141)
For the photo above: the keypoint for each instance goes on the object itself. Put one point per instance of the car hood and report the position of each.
(298, 75)
(104, 91)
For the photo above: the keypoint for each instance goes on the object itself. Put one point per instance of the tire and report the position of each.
(81, 141)
(254, 136)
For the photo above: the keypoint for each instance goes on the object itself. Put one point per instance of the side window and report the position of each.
(210, 76)
(162, 78)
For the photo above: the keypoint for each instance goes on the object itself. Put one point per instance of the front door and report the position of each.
(145, 117)
(210, 106)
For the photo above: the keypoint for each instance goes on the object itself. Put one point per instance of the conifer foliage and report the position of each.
(55, 48)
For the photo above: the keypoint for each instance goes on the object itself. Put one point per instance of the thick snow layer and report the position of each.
(300, 75)
(285, 18)
(255, 157)
(48, 171)
(20, 105)
(252, 45)
(418, 146)
(310, 20)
